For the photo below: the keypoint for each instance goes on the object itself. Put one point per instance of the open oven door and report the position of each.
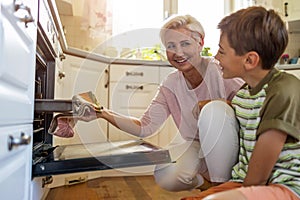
(98, 156)
(53, 160)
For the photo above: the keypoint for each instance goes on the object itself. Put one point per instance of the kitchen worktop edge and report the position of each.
(288, 66)
(109, 60)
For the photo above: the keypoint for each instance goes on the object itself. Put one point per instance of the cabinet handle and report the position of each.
(134, 87)
(286, 9)
(62, 56)
(61, 75)
(15, 142)
(134, 74)
(27, 18)
(107, 78)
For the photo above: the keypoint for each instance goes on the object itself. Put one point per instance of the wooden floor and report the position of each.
(116, 188)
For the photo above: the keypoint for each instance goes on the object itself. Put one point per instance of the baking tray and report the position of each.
(52, 105)
(101, 156)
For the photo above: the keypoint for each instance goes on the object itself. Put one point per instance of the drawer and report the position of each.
(8, 132)
(134, 73)
(15, 171)
(129, 97)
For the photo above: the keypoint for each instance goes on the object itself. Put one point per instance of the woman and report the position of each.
(196, 79)
(210, 141)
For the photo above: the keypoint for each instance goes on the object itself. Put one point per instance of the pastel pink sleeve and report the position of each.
(155, 115)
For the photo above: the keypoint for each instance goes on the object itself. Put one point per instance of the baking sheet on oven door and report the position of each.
(78, 151)
(101, 156)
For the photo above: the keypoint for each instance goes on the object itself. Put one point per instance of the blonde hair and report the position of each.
(183, 21)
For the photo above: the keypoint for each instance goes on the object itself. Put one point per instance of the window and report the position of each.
(125, 27)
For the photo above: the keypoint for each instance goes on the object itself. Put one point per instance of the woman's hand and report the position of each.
(197, 108)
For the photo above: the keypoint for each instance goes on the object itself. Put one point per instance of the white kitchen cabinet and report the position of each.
(288, 9)
(18, 31)
(130, 99)
(132, 87)
(291, 9)
(17, 58)
(15, 168)
(271, 4)
(59, 74)
(83, 75)
(277, 5)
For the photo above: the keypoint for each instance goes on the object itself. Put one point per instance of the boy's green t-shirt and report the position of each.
(273, 104)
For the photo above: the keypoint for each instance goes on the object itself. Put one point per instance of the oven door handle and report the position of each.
(15, 142)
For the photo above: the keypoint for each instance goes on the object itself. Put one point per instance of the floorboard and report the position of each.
(116, 188)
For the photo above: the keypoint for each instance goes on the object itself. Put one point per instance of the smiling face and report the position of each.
(231, 64)
(183, 51)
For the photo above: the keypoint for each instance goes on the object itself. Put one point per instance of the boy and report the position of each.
(267, 108)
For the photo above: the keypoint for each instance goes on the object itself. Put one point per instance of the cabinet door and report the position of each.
(131, 95)
(134, 73)
(59, 76)
(15, 168)
(277, 5)
(82, 75)
(17, 61)
(132, 88)
(291, 9)
(264, 3)
(130, 99)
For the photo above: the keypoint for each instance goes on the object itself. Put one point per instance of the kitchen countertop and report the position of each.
(101, 58)
(109, 60)
(289, 66)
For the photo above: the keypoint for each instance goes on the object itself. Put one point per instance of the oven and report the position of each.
(48, 160)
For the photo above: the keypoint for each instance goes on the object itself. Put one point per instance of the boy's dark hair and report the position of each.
(256, 29)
